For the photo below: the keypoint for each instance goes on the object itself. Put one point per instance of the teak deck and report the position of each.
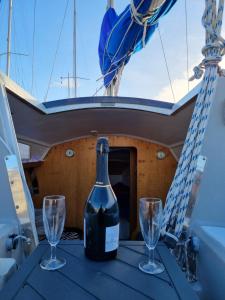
(85, 279)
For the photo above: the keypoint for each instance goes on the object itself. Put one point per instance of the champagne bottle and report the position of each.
(101, 214)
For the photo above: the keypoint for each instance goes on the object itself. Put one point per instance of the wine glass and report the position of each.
(150, 216)
(53, 219)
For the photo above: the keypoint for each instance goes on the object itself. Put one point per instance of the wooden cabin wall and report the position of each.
(74, 177)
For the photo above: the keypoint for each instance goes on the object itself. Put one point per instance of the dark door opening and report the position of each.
(122, 172)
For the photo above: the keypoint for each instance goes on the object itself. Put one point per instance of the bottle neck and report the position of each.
(102, 177)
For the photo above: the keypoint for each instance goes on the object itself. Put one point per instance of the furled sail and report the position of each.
(124, 34)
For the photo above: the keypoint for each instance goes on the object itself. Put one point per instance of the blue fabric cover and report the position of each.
(114, 50)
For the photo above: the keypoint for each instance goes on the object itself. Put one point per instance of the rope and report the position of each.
(134, 12)
(167, 67)
(179, 193)
(140, 19)
(143, 19)
(105, 49)
(57, 49)
(116, 67)
(215, 44)
(33, 42)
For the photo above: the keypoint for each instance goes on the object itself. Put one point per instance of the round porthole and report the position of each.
(70, 153)
(161, 154)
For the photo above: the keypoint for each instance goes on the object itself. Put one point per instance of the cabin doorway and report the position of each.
(123, 178)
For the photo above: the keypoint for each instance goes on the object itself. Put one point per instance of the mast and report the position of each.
(9, 39)
(110, 4)
(110, 89)
(74, 49)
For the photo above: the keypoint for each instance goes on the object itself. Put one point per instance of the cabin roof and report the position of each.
(62, 120)
(109, 101)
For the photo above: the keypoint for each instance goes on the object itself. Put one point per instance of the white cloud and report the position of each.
(180, 89)
(146, 76)
(179, 85)
(140, 82)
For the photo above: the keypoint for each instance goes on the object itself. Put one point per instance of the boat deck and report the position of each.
(85, 279)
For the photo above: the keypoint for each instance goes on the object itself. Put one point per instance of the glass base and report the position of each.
(151, 268)
(51, 265)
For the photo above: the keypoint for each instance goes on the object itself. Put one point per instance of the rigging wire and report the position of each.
(83, 54)
(17, 65)
(3, 13)
(14, 41)
(24, 25)
(57, 49)
(33, 45)
(98, 90)
(187, 45)
(167, 68)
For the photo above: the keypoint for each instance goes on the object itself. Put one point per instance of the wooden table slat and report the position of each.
(97, 282)
(133, 258)
(54, 285)
(83, 279)
(27, 293)
(128, 275)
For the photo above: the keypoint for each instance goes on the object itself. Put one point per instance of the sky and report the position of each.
(145, 76)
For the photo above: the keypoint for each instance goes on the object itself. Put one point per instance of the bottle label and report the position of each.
(84, 233)
(111, 238)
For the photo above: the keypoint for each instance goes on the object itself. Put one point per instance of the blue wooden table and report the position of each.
(84, 279)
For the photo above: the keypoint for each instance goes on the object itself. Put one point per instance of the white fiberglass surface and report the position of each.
(5, 229)
(211, 262)
(216, 233)
(214, 238)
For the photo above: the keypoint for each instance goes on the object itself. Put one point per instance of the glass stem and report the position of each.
(151, 257)
(53, 252)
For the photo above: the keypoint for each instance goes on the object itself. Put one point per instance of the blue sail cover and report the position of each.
(121, 35)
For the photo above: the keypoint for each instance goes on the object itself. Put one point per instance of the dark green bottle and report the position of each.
(101, 214)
